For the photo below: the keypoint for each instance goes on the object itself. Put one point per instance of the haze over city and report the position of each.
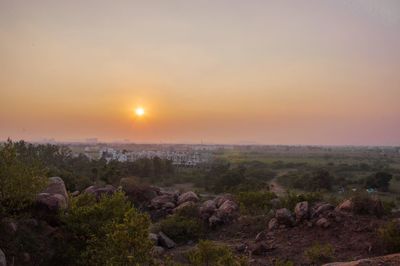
(264, 72)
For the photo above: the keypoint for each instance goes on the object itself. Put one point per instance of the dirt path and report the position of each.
(275, 187)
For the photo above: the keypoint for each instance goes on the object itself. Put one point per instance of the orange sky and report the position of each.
(266, 72)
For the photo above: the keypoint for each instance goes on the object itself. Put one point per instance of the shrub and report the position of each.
(180, 228)
(318, 253)
(208, 253)
(290, 200)
(255, 202)
(104, 232)
(390, 236)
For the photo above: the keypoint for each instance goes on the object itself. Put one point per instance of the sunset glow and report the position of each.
(139, 111)
(265, 72)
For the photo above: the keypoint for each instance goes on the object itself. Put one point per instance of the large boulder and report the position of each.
(188, 196)
(100, 191)
(345, 206)
(302, 211)
(284, 217)
(225, 214)
(3, 261)
(165, 201)
(56, 186)
(187, 204)
(222, 198)
(51, 203)
(207, 209)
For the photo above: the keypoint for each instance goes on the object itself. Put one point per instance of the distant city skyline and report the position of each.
(292, 72)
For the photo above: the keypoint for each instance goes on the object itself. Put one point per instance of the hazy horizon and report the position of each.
(224, 72)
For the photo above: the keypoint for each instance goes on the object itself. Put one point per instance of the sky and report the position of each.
(242, 72)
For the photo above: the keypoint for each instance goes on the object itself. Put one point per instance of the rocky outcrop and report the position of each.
(389, 260)
(189, 196)
(207, 209)
(54, 198)
(227, 212)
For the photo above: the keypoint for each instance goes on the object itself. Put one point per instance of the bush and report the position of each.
(104, 232)
(20, 180)
(180, 228)
(208, 253)
(255, 202)
(319, 254)
(390, 236)
(283, 263)
(290, 200)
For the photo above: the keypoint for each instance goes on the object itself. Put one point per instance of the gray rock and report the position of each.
(284, 217)
(153, 238)
(322, 208)
(184, 205)
(51, 202)
(221, 199)
(323, 222)
(207, 209)
(165, 241)
(56, 186)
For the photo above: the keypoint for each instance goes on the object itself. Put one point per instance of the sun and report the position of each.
(139, 111)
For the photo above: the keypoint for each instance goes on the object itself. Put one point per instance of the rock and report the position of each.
(214, 221)
(158, 251)
(301, 211)
(226, 213)
(273, 224)
(9, 226)
(137, 192)
(184, 205)
(260, 249)
(153, 238)
(51, 202)
(163, 201)
(284, 217)
(56, 186)
(207, 209)
(90, 190)
(241, 248)
(165, 241)
(260, 237)
(221, 199)
(346, 206)
(75, 193)
(322, 208)
(188, 196)
(3, 261)
(323, 222)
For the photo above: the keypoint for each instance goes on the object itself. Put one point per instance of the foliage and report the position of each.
(390, 236)
(20, 180)
(208, 253)
(380, 180)
(255, 202)
(104, 232)
(283, 263)
(181, 228)
(290, 200)
(315, 180)
(320, 253)
(78, 172)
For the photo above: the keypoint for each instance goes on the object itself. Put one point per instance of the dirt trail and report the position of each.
(275, 187)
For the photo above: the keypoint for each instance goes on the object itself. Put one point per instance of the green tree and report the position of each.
(108, 231)
(380, 181)
(20, 180)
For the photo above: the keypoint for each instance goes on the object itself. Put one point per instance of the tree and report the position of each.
(20, 180)
(380, 181)
(108, 231)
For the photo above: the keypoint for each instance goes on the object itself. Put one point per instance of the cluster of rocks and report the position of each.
(221, 210)
(54, 197)
(161, 242)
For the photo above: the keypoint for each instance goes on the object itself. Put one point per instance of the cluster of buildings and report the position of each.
(184, 158)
